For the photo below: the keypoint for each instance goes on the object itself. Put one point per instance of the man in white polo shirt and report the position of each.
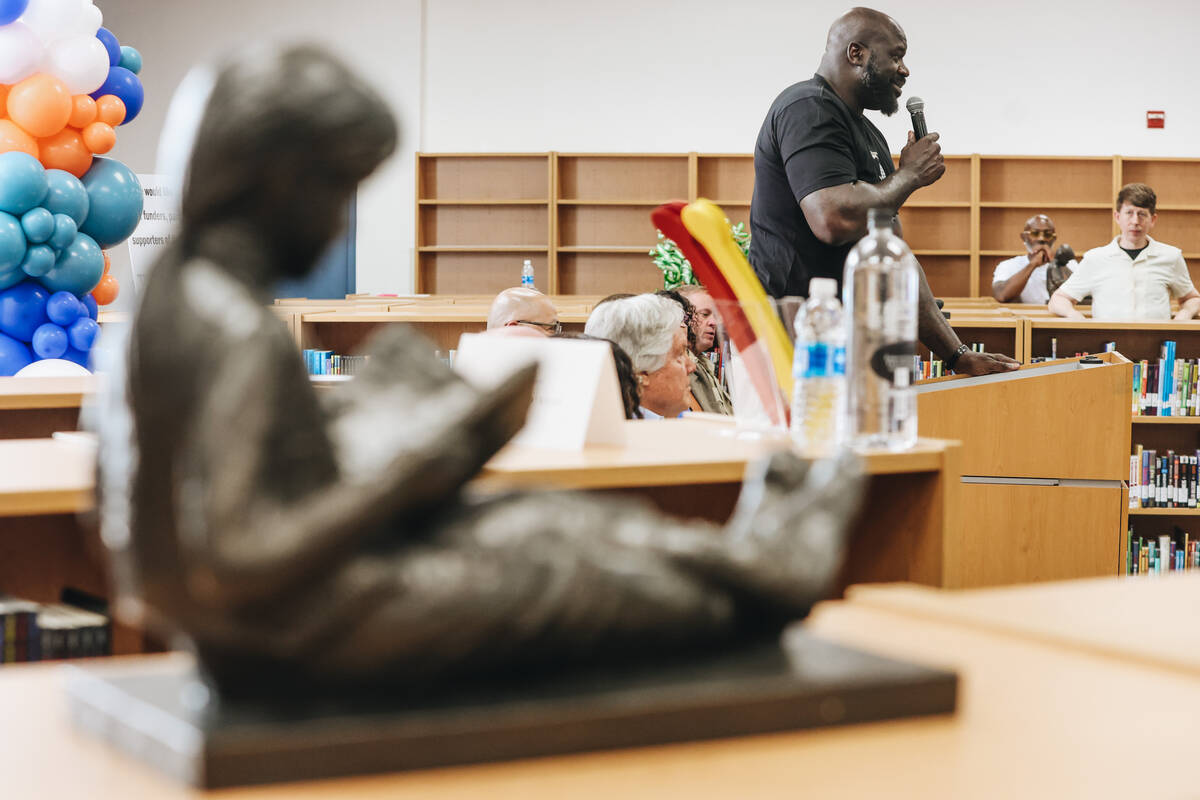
(1022, 279)
(1133, 277)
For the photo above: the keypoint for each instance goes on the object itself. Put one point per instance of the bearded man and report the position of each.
(820, 166)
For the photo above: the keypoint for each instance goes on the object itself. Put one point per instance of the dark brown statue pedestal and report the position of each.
(162, 719)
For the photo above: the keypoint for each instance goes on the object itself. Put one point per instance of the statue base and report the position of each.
(165, 721)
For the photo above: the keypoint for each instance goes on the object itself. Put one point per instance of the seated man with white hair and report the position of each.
(522, 306)
(651, 330)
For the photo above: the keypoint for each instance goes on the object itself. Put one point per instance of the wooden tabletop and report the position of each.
(1034, 720)
(46, 476)
(675, 452)
(55, 392)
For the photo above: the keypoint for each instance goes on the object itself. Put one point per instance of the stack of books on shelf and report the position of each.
(43, 631)
(1152, 555)
(327, 362)
(1166, 481)
(1168, 387)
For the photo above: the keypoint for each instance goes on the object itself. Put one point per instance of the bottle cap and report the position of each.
(822, 288)
(880, 218)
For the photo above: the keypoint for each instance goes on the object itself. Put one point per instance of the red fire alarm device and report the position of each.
(1156, 119)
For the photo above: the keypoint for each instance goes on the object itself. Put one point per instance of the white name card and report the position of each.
(576, 399)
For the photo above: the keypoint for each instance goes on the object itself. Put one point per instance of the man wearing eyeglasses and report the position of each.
(1022, 279)
(525, 308)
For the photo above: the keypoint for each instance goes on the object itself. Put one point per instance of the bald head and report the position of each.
(521, 305)
(1039, 232)
(864, 59)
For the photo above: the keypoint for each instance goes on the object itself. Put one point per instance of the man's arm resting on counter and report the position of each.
(936, 334)
(1063, 305)
(1189, 305)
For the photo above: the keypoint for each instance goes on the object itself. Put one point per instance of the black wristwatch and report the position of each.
(952, 360)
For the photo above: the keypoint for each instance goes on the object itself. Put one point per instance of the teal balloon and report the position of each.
(12, 276)
(14, 355)
(38, 224)
(12, 242)
(130, 59)
(78, 269)
(22, 182)
(64, 232)
(65, 195)
(116, 202)
(39, 259)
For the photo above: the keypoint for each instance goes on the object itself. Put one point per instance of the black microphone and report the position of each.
(916, 107)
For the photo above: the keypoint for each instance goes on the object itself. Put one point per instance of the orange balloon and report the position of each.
(65, 150)
(83, 111)
(107, 262)
(40, 104)
(4, 87)
(110, 109)
(106, 290)
(99, 138)
(12, 137)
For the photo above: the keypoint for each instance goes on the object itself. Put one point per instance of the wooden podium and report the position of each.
(1045, 460)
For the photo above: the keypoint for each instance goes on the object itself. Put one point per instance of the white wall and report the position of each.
(1018, 76)
(381, 39)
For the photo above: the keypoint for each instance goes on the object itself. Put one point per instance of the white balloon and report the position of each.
(52, 19)
(81, 62)
(89, 20)
(51, 368)
(20, 52)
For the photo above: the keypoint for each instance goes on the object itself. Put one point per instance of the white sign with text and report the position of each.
(160, 213)
(576, 399)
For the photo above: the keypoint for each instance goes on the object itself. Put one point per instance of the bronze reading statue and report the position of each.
(330, 544)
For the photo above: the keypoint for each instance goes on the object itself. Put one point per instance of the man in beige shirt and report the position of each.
(706, 387)
(1133, 277)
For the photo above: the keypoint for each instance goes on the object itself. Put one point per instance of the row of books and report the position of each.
(1168, 387)
(1166, 481)
(1150, 555)
(327, 362)
(43, 631)
(935, 367)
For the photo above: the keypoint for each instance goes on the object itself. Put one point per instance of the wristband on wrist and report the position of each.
(952, 360)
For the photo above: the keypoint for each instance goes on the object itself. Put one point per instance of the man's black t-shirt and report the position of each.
(810, 140)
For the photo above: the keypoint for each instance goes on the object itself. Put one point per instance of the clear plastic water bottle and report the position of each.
(527, 274)
(819, 389)
(880, 290)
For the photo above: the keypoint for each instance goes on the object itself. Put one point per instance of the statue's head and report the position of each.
(285, 137)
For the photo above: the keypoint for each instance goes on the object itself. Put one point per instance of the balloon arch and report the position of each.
(66, 84)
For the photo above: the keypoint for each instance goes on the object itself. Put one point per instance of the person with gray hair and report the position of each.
(652, 331)
(523, 306)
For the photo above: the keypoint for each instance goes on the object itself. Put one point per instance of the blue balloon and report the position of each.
(65, 195)
(130, 59)
(116, 202)
(78, 356)
(109, 40)
(78, 269)
(125, 85)
(12, 242)
(38, 224)
(50, 341)
(93, 308)
(83, 333)
(14, 356)
(22, 182)
(10, 10)
(63, 308)
(23, 309)
(39, 259)
(64, 232)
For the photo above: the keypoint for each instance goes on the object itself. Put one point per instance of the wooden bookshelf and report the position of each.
(583, 218)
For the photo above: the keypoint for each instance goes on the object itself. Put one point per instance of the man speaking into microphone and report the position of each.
(820, 166)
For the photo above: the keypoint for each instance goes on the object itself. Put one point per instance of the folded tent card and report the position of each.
(576, 399)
